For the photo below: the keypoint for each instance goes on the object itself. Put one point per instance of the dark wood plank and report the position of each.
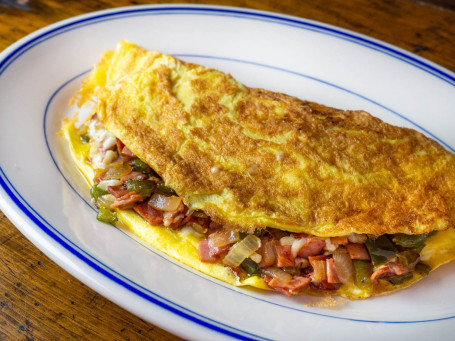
(39, 301)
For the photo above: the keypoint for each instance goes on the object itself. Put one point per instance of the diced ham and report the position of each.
(172, 217)
(208, 253)
(315, 258)
(332, 276)
(204, 252)
(289, 288)
(397, 268)
(129, 200)
(217, 251)
(267, 252)
(339, 240)
(382, 272)
(150, 214)
(134, 175)
(125, 152)
(120, 145)
(284, 256)
(312, 247)
(117, 191)
(357, 251)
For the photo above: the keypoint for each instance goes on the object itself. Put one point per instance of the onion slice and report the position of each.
(223, 237)
(343, 266)
(297, 245)
(165, 203)
(242, 250)
(277, 273)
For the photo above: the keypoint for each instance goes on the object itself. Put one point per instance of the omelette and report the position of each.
(258, 188)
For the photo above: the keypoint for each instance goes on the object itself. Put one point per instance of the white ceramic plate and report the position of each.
(45, 197)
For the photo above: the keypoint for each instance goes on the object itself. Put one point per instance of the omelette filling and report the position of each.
(287, 262)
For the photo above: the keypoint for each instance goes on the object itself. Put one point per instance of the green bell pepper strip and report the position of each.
(106, 215)
(381, 249)
(142, 187)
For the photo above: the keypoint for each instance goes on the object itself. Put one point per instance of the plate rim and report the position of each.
(8, 56)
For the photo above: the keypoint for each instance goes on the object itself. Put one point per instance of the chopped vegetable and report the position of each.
(399, 279)
(85, 138)
(409, 258)
(106, 200)
(241, 250)
(165, 190)
(422, 269)
(116, 171)
(416, 241)
(142, 187)
(381, 249)
(250, 267)
(362, 273)
(104, 184)
(96, 192)
(357, 238)
(106, 215)
(343, 266)
(256, 257)
(297, 244)
(277, 273)
(140, 166)
(223, 237)
(165, 203)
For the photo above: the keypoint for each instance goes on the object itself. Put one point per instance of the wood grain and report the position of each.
(40, 301)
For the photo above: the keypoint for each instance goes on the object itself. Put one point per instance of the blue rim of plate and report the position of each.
(45, 34)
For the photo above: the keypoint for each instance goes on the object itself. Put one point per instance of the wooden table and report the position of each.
(40, 301)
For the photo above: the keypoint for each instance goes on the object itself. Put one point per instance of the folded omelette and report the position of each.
(259, 188)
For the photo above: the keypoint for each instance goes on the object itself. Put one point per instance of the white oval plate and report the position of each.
(45, 197)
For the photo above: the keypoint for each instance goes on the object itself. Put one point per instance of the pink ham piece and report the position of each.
(289, 288)
(332, 276)
(267, 252)
(124, 151)
(339, 240)
(357, 251)
(117, 191)
(383, 272)
(312, 247)
(204, 252)
(134, 175)
(209, 253)
(153, 216)
(284, 256)
(129, 200)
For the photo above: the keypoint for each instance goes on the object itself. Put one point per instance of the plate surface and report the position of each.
(46, 198)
